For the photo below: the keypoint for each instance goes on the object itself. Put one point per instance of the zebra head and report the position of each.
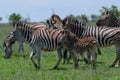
(55, 22)
(7, 45)
(108, 19)
(68, 37)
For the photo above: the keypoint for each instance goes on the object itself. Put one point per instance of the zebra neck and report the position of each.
(114, 24)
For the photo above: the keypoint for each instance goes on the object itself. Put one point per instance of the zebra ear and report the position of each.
(65, 21)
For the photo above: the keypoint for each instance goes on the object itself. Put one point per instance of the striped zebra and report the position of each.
(38, 39)
(20, 41)
(108, 20)
(56, 22)
(52, 25)
(77, 45)
(105, 36)
(53, 20)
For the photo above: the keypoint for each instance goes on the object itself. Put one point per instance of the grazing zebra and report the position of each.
(108, 20)
(38, 39)
(56, 22)
(105, 36)
(77, 45)
(20, 41)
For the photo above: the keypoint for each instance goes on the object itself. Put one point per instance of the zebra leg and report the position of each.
(83, 57)
(36, 50)
(31, 57)
(38, 57)
(88, 56)
(98, 50)
(65, 56)
(117, 56)
(59, 51)
(94, 57)
(74, 57)
(21, 47)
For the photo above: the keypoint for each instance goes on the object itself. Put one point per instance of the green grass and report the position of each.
(17, 68)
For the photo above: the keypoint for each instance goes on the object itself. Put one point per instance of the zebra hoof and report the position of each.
(38, 67)
(55, 67)
(111, 66)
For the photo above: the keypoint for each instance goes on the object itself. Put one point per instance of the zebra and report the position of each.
(53, 20)
(20, 41)
(108, 20)
(105, 36)
(56, 22)
(52, 25)
(38, 39)
(77, 45)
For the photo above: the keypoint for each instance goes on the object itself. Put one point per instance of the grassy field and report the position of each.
(17, 68)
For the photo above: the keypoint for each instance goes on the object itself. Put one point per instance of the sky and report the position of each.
(41, 10)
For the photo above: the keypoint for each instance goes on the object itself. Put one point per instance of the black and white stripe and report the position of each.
(105, 36)
(20, 41)
(39, 39)
(56, 22)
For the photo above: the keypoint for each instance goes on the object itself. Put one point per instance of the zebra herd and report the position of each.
(70, 35)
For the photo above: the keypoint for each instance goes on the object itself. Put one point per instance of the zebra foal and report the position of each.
(39, 39)
(77, 45)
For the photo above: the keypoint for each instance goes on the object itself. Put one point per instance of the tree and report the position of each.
(14, 17)
(71, 16)
(0, 19)
(94, 17)
(84, 18)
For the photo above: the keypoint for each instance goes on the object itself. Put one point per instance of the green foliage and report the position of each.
(0, 19)
(71, 16)
(81, 17)
(14, 17)
(94, 17)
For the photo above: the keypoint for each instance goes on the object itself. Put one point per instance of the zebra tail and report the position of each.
(98, 50)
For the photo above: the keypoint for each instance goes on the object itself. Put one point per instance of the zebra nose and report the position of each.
(97, 23)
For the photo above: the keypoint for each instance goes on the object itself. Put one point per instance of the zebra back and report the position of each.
(105, 36)
(47, 39)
